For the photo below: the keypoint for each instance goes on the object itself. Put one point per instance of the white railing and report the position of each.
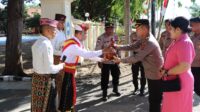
(96, 29)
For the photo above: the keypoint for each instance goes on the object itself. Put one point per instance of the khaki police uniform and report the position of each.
(151, 56)
(165, 41)
(104, 41)
(136, 68)
(196, 63)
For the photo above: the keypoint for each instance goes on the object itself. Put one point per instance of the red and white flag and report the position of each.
(164, 7)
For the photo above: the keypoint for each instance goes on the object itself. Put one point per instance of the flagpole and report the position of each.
(163, 10)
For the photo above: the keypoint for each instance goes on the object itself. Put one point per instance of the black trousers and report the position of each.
(196, 74)
(135, 71)
(155, 95)
(105, 71)
(66, 100)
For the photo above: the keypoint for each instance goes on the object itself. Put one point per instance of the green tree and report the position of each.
(33, 22)
(195, 10)
(99, 9)
(15, 15)
(96, 8)
(3, 20)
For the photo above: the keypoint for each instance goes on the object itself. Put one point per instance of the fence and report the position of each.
(96, 29)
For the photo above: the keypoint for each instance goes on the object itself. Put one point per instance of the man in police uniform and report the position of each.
(104, 41)
(151, 56)
(165, 39)
(73, 51)
(43, 85)
(195, 24)
(136, 68)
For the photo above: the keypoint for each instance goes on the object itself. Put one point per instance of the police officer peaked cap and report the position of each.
(195, 19)
(60, 17)
(142, 22)
(109, 25)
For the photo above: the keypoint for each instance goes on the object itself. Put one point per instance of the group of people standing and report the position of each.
(55, 58)
(179, 58)
(54, 63)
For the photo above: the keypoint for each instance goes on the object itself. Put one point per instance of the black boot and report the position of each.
(135, 91)
(115, 90)
(104, 98)
(142, 91)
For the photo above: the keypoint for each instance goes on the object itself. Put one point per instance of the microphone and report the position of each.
(64, 58)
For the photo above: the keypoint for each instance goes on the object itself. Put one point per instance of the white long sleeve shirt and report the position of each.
(57, 42)
(74, 50)
(42, 53)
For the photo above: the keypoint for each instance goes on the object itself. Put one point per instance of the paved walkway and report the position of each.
(15, 96)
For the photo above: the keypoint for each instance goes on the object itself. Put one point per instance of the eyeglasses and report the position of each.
(138, 25)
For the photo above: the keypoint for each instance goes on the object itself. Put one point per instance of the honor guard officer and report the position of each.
(165, 39)
(43, 85)
(136, 69)
(195, 24)
(151, 56)
(73, 51)
(104, 41)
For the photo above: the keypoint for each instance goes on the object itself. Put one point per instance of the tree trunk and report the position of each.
(127, 20)
(153, 15)
(13, 62)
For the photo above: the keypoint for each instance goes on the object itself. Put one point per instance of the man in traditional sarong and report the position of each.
(73, 51)
(57, 43)
(43, 79)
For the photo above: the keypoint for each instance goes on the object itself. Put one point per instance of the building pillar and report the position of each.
(50, 7)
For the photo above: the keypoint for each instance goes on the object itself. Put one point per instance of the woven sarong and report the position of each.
(43, 93)
(59, 78)
(68, 94)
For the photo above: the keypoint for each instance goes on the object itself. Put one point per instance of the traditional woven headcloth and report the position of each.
(85, 26)
(78, 28)
(49, 22)
(60, 17)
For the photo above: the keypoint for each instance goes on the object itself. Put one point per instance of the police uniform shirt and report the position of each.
(42, 53)
(134, 39)
(165, 41)
(103, 42)
(196, 42)
(149, 53)
(57, 42)
(74, 50)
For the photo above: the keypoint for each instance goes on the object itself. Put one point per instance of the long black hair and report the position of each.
(182, 23)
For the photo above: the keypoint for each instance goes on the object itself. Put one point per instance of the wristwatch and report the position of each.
(166, 73)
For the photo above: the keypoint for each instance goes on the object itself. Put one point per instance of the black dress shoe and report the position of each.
(104, 98)
(117, 93)
(135, 92)
(141, 94)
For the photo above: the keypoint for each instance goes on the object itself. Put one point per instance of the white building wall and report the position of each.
(51, 7)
